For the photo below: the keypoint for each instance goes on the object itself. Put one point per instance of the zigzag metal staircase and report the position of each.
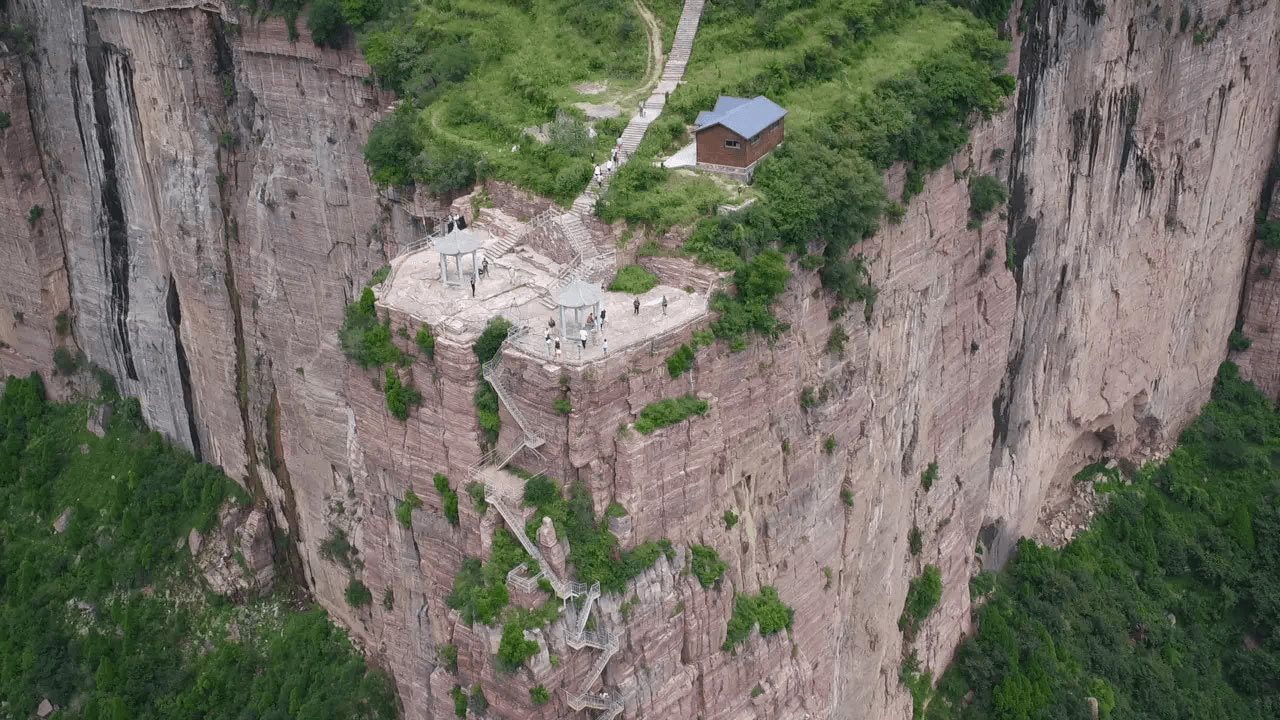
(491, 371)
(576, 634)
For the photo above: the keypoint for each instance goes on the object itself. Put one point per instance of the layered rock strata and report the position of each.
(206, 216)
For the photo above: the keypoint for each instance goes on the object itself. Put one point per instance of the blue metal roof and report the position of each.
(743, 116)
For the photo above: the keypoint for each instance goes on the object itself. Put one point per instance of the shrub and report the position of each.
(757, 691)
(400, 397)
(846, 495)
(895, 212)
(476, 491)
(680, 361)
(634, 279)
(34, 214)
(357, 594)
(460, 700)
(65, 362)
(669, 411)
(707, 566)
(915, 541)
(986, 193)
(479, 703)
(514, 649)
(615, 510)
(405, 508)
(5, 121)
(826, 573)
(388, 600)
(829, 445)
(730, 519)
(563, 406)
(807, 398)
(836, 341)
(1236, 341)
(922, 597)
(495, 333)
(765, 611)
(539, 695)
(393, 146)
(426, 342)
(540, 491)
(62, 323)
(929, 475)
(326, 23)
(362, 338)
(339, 549)
(448, 497)
(1269, 233)
(449, 656)
(981, 585)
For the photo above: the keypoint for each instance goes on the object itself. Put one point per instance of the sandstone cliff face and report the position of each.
(208, 214)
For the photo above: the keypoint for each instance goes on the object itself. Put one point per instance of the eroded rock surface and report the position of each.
(207, 214)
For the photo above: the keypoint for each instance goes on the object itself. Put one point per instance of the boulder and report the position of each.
(1093, 707)
(99, 418)
(64, 520)
(195, 541)
(45, 709)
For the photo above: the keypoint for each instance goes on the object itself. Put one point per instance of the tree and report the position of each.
(326, 23)
(393, 147)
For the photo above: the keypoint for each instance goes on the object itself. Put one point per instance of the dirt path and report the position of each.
(654, 73)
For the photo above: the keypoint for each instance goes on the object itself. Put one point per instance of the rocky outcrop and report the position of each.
(1260, 310)
(207, 214)
(236, 556)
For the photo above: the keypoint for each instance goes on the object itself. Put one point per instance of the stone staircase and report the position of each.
(535, 224)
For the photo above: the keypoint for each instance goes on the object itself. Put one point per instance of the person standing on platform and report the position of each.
(635, 306)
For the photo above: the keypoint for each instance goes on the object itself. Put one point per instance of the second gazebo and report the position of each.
(455, 245)
(578, 297)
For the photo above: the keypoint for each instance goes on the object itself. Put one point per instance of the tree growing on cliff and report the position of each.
(922, 597)
(326, 23)
(393, 147)
(514, 648)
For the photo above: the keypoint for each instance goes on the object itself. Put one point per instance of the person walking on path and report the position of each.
(604, 345)
(635, 305)
(557, 351)
(602, 314)
(473, 287)
(597, 174)
(641, 108)
(664, 304)
(547, 336)
(582, 335)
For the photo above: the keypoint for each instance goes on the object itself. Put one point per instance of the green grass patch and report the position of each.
(765, 611)
(1167, 606)
(634, 279)
(475, 73)
(669, 411)
(448, 498)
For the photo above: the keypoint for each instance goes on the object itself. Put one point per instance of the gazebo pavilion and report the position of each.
(455, 245)
(579, 297)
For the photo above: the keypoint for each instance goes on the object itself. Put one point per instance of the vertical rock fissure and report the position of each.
(275, 458)
(116, 252)
(173, 307)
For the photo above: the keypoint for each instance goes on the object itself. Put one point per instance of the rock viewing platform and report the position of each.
(519, 286)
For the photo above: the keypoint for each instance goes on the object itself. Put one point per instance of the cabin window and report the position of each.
(732, 144)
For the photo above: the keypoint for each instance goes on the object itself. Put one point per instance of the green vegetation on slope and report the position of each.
(867, 84)
(475, 73)
(1167, 607)
(594, 551)
(107, 620)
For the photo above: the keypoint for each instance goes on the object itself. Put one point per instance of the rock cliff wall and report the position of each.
(207, 215)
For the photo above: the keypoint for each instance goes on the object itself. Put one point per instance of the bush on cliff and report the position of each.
(923, 595)
(405, 508)
(707, 566)
(1167, 606)
(669, 411)
(765, 610)
(400, 396)
(448, 498)
(326, 23)
(514, 649)
(362, 338)
(986, 193)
